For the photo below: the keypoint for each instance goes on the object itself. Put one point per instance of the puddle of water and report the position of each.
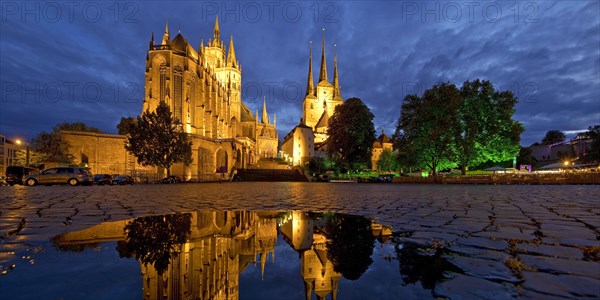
(226, 254)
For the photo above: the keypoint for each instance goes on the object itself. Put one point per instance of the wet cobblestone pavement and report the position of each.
(515, 241)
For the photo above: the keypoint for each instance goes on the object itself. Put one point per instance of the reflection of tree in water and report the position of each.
(351, 244)
(152, 239)
(425, 264)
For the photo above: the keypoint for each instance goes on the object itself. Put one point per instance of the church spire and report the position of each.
(263, 262)
(265, 117)
(231, 60)
(166, 38)
(336, 83)
(310, 85)
(217, 33)
(323, 73)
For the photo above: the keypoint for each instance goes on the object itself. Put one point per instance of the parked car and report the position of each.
(102, 179)
(15, 174)
(123, 180)
(172, 179)
(61, 175)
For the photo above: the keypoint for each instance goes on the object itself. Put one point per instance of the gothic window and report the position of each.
(163, 82)
(193, 99)
(177, 92)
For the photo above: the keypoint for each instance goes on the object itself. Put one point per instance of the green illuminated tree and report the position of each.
(427, 129)
(553, 137)
(351, 133)
(388, 161)
(159, 139)
(487, 130)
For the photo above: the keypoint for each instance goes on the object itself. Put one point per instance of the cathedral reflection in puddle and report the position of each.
(201, 255)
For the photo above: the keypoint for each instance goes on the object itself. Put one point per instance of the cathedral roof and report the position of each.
(325, 83)
(382, 139)
(179, 43)
(323, 121)
(246, 115)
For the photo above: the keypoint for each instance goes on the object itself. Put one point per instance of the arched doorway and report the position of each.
(204, 162)
(222, 163)
(239, 160)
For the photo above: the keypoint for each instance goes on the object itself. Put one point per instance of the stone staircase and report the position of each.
(267, 169)
(270, 175)
(270, 164)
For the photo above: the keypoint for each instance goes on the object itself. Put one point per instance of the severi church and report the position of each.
(308, 139)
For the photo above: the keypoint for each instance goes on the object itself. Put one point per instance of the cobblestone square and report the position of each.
(519, 241)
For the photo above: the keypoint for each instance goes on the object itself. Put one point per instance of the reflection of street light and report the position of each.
(19, 142)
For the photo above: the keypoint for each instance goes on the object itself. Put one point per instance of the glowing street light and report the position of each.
(20, 142)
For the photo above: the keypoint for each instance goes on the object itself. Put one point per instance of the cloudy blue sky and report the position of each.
(85, 61)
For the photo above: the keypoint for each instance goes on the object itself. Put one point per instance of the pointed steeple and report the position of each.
(231, 60)
(263, 262)
(310, 85)
(265, 117)
(217, 34)
(336, 83)
(166, 38)
(201, 49)
(323, 73)
(308, 290)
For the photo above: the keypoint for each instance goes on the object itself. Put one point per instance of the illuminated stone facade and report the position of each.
(298, 146)
(204, 91)
(318, 105)
(102, 153)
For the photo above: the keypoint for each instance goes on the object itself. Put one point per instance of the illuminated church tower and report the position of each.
(307, 139)
(319, 104)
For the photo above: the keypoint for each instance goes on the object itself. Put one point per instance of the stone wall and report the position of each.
(102, 153)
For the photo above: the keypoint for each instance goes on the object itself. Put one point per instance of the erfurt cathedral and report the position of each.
(204, 91)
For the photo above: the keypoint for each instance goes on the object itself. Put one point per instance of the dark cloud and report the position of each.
(547, 53)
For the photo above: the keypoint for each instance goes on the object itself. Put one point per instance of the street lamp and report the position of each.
(19, 142)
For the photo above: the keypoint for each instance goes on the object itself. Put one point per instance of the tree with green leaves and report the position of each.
(487, 130)
(553, 137)
(427, 129)
(351, 133)
(159, 139)
(48, 146)
(388, 161)
(126, 125)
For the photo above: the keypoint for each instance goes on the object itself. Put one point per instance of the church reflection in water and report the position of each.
(200, 255)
